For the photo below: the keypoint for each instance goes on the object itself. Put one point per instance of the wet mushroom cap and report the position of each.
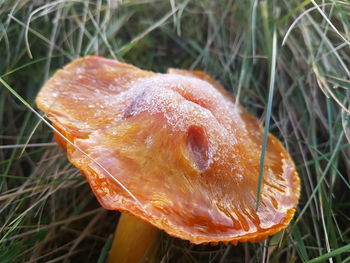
(178, 142)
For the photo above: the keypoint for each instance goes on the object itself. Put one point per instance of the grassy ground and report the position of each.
(297, 51)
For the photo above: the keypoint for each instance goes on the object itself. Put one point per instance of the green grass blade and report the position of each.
(104, 252)
(324, 257)
(268, 116)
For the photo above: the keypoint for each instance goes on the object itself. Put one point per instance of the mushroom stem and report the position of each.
(134, 241)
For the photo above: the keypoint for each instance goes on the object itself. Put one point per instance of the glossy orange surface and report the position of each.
(178, 142)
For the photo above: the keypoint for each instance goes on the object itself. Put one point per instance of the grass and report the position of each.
(286, 61)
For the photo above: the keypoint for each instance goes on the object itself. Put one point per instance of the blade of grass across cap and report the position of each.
(75, 146)
(268, 116)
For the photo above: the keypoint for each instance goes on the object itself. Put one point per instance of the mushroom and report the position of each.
(172, 150)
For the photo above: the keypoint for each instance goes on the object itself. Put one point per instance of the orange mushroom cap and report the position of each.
(178, 143)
